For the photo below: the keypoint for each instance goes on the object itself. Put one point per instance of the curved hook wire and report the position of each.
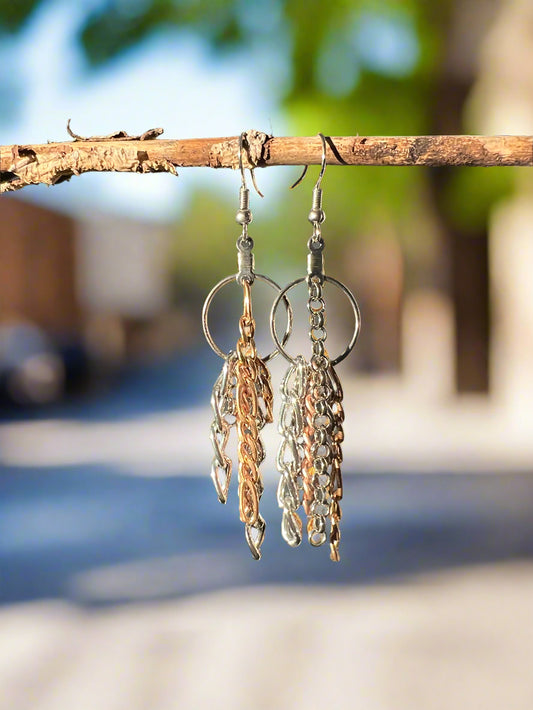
(323, 166)
(322, 169)
(241, 168)
(304, 173)
(243, 175)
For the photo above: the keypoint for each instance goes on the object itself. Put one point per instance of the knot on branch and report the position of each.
(255, 151)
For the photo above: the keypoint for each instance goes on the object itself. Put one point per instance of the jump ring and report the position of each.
(218, 287)
(283, 294)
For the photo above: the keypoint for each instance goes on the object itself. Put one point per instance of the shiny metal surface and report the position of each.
(284, 293)
(233, 279)
(291, 450)
(223, 405)
(253, 387)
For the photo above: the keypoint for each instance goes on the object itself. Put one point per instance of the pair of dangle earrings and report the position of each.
(311, 417)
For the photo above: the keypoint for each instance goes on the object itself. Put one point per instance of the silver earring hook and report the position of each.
(241, 168)
(324, 163)
(245, 243)
(243, 174)
(322, 169)
(317, 215)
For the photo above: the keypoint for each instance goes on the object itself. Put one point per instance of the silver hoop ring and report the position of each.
(233, 279)
(355, 308)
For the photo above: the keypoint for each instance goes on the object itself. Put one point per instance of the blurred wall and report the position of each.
(101, 281)
(123, 266)
(37, 267)
(503, 103)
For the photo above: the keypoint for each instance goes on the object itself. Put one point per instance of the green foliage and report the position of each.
(15, 13)
(353, 66)
(213, 235)
(472, 192)
(118, 26)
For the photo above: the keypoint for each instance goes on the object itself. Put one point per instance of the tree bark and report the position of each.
(466, 251)
(52, 163)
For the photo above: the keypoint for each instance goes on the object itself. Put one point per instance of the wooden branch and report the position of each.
(22, 165)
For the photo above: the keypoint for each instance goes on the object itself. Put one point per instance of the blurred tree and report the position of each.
(368, 66)
(14, 15)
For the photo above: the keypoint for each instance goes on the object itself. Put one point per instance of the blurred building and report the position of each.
(80, 293)
(38, 268)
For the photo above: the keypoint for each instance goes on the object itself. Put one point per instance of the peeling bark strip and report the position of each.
(150, 134)
(55, 162)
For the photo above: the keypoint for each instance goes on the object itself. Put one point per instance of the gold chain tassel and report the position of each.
(254, 401)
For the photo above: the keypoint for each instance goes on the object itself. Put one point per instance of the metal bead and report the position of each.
(316, 215)
(244, 216)
(244, 243)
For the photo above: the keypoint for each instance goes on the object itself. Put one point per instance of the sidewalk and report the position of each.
(459, 639)
(430, 607)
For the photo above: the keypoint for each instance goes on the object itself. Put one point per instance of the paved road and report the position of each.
(131, 591)
(89, 533)
(92, 535)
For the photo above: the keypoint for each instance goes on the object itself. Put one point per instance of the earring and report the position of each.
(242, 395)
(311, 417)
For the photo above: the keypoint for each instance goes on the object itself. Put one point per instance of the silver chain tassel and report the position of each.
(319, 424)
(291, 450)
(223, 405)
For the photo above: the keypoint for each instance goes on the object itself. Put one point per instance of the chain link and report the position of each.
(291, 450)
(253, 397)
(319, 421)
(242, 397)
(223, 405)
(336, 476)
(307, 465)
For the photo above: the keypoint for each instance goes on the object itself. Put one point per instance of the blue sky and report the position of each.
(208, 99)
